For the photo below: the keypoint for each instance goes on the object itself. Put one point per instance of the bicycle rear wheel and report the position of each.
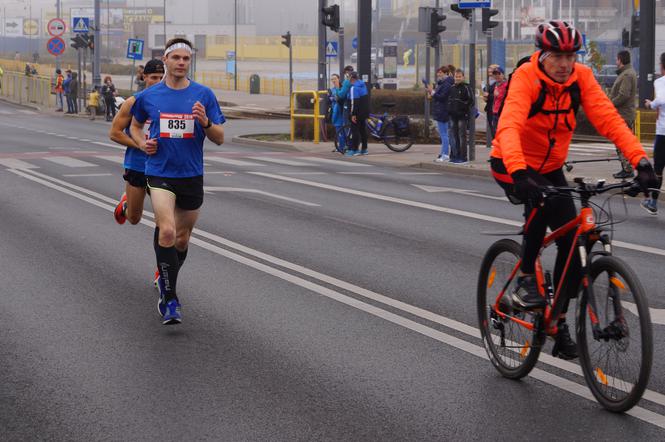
(617, 362)
(393, 140)
(512, 348)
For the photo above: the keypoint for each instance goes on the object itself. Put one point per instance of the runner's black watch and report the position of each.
(209, 125)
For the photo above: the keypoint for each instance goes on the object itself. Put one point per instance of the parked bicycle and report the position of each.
(393, 131)
(614, 332)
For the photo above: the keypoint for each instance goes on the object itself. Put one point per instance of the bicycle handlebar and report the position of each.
(632, 188)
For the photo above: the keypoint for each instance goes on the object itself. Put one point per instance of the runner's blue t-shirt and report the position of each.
(179, 136)
(135, 158)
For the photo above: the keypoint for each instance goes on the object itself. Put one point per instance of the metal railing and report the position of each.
(645, 125)
(316, 115)
(22, 89)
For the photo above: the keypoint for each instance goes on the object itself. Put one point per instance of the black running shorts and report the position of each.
(135, 178)
(188, 191)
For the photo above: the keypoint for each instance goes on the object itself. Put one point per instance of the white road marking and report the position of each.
(435, 208)
(304, 173)
(233, 162)
(432, 189)
(115, 146)
(208, 189)
(282, 161)
(418, 173)
(87, 174)
(334, 162)
(12, 163)
(361, 173)
(112, 158)
(638, 412)
(657, 314)
(69, 162)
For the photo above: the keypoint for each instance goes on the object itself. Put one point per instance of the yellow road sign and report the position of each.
(30, 27)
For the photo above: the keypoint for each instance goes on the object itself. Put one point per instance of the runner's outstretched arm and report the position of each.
(122, 119)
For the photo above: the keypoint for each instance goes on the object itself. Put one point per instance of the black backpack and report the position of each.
(537, 106)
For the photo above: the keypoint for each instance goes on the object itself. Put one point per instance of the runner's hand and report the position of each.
(646, 177)
(354, 119)
(150, 146)
(199, 113)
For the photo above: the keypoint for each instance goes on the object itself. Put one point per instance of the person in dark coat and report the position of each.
(359, 110)
(460, 105)
(440, 95)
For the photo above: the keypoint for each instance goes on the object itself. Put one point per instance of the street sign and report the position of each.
(56, 27)
(354, 42)
(331, 49)
(30, 27)
(135, 49)
(81, 25)
(13, 27)
(582, 50)
(469, 4)
(230, 62)
(55, 46)
(389, 64)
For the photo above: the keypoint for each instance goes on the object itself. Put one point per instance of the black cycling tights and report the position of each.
(556, 212)
(658, 161)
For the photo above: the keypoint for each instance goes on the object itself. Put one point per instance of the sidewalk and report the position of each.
(422, 156)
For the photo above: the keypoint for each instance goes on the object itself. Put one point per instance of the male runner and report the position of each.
(182, 113)
(130, 206)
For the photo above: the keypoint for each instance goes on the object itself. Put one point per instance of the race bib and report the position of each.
(176, 125)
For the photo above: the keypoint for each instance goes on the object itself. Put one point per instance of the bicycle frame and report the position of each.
(586, 234)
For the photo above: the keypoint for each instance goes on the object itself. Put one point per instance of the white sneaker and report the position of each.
(442, 159)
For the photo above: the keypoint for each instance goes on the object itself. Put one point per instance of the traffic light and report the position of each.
(466, 13)
(625, 38)
(91, 42)
(635, 31)
(79, 42)
(435, 27)
(286, 39)
(488, 23)
(331, 17)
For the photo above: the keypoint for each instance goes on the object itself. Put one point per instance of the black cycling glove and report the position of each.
(646, 177)
(526, 188)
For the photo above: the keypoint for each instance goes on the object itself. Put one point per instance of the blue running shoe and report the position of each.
(350, 153)
(172, 313)
(363, 152)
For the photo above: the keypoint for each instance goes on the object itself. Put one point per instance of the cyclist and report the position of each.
(530, 148)
(130, 206)
(182, 113)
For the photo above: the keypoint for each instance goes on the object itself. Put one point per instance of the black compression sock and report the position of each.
(167, 264)
(155, 239)
(182, 255)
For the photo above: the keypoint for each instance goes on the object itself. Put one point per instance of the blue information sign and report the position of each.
(467, 4)
(135, 49)
(81, 25)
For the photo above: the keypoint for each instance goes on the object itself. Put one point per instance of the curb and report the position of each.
(29, 106)
(245, 141)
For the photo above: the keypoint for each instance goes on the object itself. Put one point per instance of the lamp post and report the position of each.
(235, 44)
(164, 24)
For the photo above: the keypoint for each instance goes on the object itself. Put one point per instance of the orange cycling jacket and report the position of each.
(521, 141)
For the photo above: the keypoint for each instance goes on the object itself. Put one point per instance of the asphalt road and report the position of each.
(322, 300)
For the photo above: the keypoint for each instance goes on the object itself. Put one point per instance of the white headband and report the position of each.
(175, 46)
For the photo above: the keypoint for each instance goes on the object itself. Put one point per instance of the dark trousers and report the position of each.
(625, 164)
(72, 105)
(459, 147)
(555, 212)
(359, 133)
(110, 107)
(658, 161)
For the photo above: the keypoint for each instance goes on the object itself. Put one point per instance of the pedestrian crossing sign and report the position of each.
(331, 49)
(81, 25)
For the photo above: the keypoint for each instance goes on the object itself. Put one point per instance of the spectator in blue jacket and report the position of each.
(439, 95)
(338, 113)
(359, 111)
(65, 85)
(343, 94)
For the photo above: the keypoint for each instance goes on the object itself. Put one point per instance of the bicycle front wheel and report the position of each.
(616, 358)
(512, 348)
(394, 141)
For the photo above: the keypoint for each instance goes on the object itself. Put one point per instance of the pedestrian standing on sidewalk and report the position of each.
(338, 113)
(658, 103)
(74, 93)
(359, 110)
(65, 86)
(499, 91)
(93, 103)
(488, 97)
(460, 105)
(109, 93)
(343, 96)
(59, 90)
(440, 95)
(623, 95)
(1, 75)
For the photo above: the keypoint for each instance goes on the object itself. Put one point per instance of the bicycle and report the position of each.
(394, 132)
(613, 320)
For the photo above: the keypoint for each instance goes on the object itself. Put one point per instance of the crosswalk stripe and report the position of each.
(112, 158)
(232, 162)
(28, 112)
(334, 162)
(12, 163)
(283, 161)
(69, 162)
